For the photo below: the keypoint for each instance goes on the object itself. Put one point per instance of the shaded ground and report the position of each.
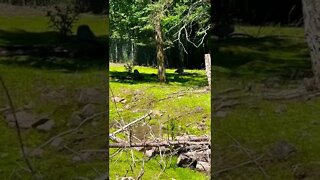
(249, 123)
(62, 90)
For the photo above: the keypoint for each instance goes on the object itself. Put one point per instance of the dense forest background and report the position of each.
(231, 12)
(83, 6)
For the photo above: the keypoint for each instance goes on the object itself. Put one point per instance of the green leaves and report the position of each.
(134, 19)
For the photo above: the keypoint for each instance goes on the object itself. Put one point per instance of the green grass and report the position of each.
(25, 85)
(28, 29)
(279, 53)
(144, 95)
(27, 77)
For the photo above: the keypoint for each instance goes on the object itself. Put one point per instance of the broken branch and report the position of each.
(128, 125)
(156, 144)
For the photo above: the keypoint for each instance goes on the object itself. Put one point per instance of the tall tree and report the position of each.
(161, 22)
(311, 12)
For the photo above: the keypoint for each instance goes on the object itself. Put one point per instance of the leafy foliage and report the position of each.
(181, 20)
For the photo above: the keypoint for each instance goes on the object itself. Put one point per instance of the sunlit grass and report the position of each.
(152, 91)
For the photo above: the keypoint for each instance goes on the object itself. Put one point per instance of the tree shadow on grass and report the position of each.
(268, 55)
(38, 50)
(188, 79)
(26, 38)
(22, 37)
(67, 65)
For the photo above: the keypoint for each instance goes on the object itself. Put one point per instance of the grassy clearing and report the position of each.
(180, 115)
(277, 62)
(26, 85)
(29, 27)
(28, 78)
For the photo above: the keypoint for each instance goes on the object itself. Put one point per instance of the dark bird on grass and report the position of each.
(179, 71)
(137, 75)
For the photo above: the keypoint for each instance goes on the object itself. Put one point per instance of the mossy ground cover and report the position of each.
(185, 107)
(276, 59)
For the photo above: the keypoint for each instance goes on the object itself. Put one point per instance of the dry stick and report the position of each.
(70, 130)
(78, 154)
(94, 150)
(115, 104)
(17, 126)
(248, 154)
(236, 166)
(156, 144)
(115, 153)
(130, 124)
(141, 171)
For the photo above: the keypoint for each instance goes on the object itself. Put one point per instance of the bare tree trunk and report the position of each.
(160, 50)
(181, 57)
(311, 13)
(207, 59)
(116, 53)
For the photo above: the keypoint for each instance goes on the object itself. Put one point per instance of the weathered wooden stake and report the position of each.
(207, 59)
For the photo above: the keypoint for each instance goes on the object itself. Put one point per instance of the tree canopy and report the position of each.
(180, 19)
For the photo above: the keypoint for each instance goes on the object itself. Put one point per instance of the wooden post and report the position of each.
(207, 59)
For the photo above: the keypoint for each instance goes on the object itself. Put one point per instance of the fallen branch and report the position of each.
(70, 130)
(83, 159)
(156, 144)
(193, 138)
(249, 155)
(128, 125)
(236, 166)
(17, 127)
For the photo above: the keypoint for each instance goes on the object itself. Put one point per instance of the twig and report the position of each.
(236, 166)
(248, 154)
(141, 171)
(70, 130)
(115, 104)
(17, 126)
(78, 154)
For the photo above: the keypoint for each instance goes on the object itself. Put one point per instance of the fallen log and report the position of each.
(157, 144)
(192, 138)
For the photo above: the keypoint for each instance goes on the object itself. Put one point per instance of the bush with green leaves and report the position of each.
(62, 19)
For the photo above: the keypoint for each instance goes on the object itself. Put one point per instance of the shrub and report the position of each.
(62, 20)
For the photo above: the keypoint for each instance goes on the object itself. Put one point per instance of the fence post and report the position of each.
(207, 59)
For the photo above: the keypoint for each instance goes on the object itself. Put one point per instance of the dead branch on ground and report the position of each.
(70, 130)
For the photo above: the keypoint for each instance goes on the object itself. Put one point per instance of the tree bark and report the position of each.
(181, 57)
(311, 14)
(160, 50)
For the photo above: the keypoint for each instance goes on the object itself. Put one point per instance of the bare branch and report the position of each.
(130, 124)
(17, 126)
